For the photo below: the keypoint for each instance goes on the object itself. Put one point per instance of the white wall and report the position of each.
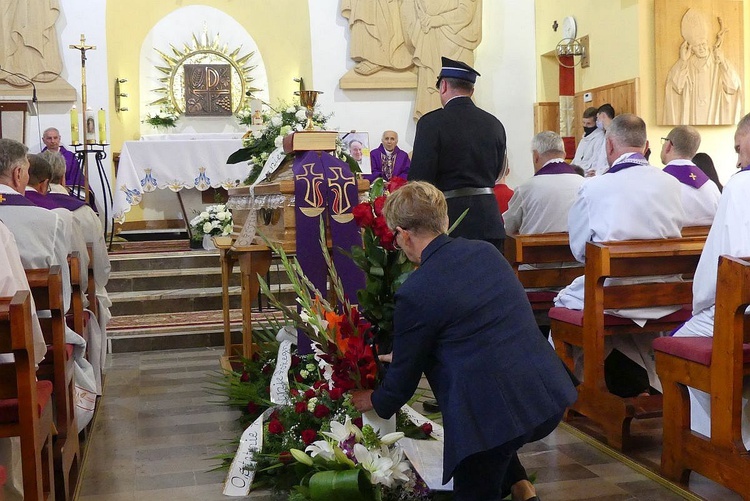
(77, 17)
(507, 88)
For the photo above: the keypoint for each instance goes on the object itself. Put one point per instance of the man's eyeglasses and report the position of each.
(395, 243)
(665, 140)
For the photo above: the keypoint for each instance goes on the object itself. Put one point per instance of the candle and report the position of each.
(90, 126)
(102, 127)
(74, 139)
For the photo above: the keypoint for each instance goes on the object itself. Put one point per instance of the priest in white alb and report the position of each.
(729, 235)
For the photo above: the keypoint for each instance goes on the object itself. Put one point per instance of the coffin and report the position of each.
(268, 209)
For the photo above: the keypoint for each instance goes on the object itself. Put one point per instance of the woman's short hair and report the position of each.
(57, 161)
(417, 206)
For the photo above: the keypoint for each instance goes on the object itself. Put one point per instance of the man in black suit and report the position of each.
(463, 319)
(460, 149)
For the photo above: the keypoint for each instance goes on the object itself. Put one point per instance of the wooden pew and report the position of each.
(548, 250)
(46, 287)
(588, 328)
(76, 298)
(716, 366)
(25, 407)
(695, 231)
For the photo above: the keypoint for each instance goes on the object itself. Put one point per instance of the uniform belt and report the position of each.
(467, 192)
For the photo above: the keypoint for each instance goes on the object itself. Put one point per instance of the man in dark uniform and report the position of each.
(460, 149)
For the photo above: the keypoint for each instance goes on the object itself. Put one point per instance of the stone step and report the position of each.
(189, 300)
(137, 280)
(181, 330)
(165, 260)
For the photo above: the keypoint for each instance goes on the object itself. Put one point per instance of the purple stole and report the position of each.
(66, 201)
(689, 175)
(41, 200)
(631, 161)
(555, 168)
(745, 168)
(15, 199)
(324, 187)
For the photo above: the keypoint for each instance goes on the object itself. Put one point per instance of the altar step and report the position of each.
(165, 296)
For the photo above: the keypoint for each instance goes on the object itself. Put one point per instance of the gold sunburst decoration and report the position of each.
(203, 50)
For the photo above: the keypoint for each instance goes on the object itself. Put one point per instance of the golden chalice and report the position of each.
(308, 98)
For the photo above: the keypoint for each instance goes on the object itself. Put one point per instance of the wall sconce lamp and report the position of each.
(574, 47)
(119, 95)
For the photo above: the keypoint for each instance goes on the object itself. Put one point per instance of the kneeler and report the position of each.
(715, 365)
(58, 367)
(25, 407)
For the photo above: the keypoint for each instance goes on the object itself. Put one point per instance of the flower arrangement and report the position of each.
(385, 267)
(167, 116)
(258, 145)
(215, 220)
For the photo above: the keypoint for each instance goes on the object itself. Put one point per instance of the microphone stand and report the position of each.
(34, 100)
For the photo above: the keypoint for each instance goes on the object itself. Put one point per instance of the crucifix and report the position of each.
(83, 48)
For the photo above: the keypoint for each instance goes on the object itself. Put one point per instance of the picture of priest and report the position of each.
(460, 149)
(463, 319)
(73, 173)
(388, 160)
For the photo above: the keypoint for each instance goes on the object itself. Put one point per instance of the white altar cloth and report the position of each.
(175, 164)
(188, 136)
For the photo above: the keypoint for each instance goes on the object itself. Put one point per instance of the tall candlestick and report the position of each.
(74, 139)
(102, 126)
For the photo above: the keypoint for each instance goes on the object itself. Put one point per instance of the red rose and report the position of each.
(245, 377)
(395, 183)
(294, 391)
(252, 408)
(275, 427)
(363, 215)
(321, 411)
(426, 428)
(300, 407)
(319, 384)
(295, 360)
(309, 436)
(256, 356)
(336, 393)
(378, 205)
(298, 378)
(357, 421)
(267, 369)
(285, 457)
(309, 393)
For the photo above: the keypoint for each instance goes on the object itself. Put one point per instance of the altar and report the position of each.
(176, 162)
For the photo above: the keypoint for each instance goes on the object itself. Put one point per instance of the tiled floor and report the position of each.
(157, 430)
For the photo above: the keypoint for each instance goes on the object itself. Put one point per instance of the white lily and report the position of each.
(378, 466)
(321, 448)
(341, 432)
(391, 438)
(400, 467)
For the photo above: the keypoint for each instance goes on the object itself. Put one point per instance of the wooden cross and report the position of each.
(83, 48)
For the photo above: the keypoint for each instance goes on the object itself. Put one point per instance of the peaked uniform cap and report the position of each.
(457, 69)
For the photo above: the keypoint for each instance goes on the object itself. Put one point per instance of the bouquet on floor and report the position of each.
(314, 446)
(215, 220)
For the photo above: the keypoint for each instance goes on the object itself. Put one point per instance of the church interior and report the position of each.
(151, 100)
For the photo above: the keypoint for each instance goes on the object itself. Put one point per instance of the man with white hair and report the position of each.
(703, 87)
(73, 172)
(541, 204)
(631, 201)
(700, 195)
(729, 236)
(388, 160)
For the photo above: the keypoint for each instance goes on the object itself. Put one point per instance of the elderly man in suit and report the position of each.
(460, 149)
(499, 383)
